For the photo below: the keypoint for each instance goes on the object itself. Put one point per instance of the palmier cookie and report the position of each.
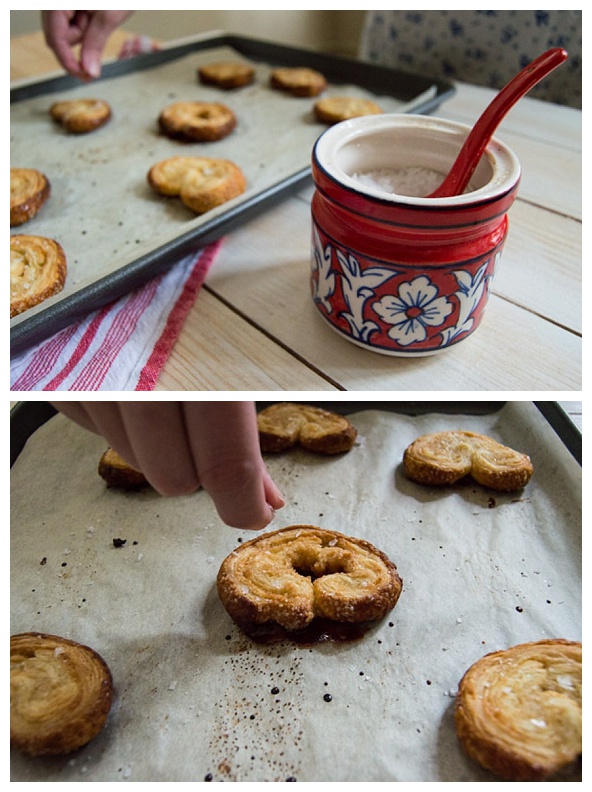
(298, 81)
(118, 474)
(284, 425)
(81, 115)
(202, 183)
(197, 121)
(60, 694)
(37, 271)
(446, 457)
(333, 109)
(518, 712)
(29, 190)
(291, 576)
(226, 74)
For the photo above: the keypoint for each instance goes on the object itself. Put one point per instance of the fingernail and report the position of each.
(93, 67)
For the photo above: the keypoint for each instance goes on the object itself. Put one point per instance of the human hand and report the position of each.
(65, 29)
(181, 446)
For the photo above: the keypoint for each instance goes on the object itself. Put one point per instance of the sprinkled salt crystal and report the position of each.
(538, 722)
(173, 685)
(58, 651)
(67, 551)
(332, 542)
(459, 620)
(565, 681)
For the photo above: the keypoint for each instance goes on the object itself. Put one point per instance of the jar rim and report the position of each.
(356, 133)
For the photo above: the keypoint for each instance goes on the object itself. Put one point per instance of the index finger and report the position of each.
(225, 444)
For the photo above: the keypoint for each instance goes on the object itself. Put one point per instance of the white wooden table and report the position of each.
(254, 326)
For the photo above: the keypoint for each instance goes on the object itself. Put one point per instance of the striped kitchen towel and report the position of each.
(122, 346)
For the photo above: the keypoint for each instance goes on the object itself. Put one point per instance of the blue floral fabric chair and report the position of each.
(480, 47)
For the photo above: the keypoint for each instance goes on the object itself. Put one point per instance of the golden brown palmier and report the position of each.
(118, 474)
(518, 712)
(197, 121)
(284, 425)
(298, 81)
(333, 109)
(81, 115)
(60, 694)
(37, 271)
(29, 190)
(443, 458)
(227, 75)
(296, 574)
(202, 183)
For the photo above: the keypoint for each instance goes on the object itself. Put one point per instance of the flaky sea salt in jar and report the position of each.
(393, 270)
(414, 181)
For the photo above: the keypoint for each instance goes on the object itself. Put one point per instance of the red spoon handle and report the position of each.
(476, 143)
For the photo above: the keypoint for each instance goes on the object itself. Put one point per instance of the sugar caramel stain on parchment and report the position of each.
(258, 723)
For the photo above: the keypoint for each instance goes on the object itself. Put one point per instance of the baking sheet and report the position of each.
(194, 697)
(116, 232)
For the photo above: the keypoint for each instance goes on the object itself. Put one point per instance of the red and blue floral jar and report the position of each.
(405, 274)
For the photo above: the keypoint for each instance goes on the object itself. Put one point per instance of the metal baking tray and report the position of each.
(196, 700)
(115, 232)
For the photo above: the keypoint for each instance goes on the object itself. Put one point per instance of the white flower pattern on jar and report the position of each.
(416, 307)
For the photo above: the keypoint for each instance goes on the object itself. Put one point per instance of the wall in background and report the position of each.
(329, 31)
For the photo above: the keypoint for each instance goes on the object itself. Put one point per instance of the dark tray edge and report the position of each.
(45, 323)
(28, 416)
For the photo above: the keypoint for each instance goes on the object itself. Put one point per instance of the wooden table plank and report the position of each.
(534, 119)
(218, 347)
(543, 248)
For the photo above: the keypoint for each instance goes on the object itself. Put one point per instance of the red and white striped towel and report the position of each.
(123, 346)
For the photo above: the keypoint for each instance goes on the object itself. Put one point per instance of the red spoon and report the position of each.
(480, 135)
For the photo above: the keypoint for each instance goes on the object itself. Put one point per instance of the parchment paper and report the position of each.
(101, 208)
(196, 699)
